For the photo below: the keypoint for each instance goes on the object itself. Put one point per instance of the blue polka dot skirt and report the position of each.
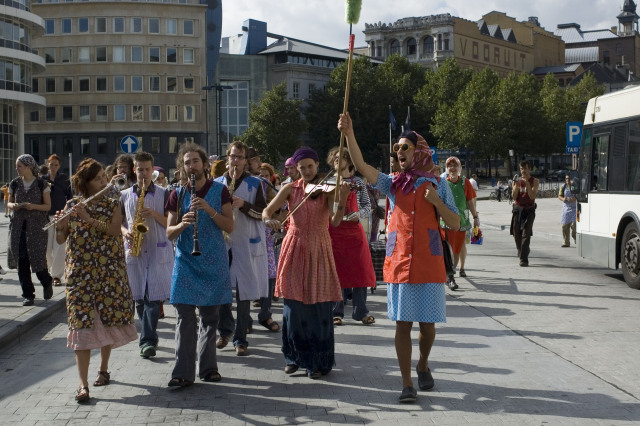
(416, 302)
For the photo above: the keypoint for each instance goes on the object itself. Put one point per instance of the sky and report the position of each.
(323, 21)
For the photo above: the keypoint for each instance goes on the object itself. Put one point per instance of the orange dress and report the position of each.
(306, 269)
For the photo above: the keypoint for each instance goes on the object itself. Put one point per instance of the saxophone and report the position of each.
(139, 226)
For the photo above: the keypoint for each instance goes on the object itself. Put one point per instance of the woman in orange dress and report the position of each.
(307, 279)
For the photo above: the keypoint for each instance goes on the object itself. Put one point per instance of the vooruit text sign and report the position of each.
(574, 136)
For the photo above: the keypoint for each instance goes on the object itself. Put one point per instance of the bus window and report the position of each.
(617, 158)
(633, 157)
(584, 165)
(600, 162)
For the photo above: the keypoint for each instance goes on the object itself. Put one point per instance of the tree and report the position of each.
(275, 125)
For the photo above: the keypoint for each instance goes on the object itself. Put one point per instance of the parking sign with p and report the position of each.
(574, 135)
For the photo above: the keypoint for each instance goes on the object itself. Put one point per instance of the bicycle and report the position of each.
(505, 194)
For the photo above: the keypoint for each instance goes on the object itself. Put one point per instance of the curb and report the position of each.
(17, 327)
(546, 235)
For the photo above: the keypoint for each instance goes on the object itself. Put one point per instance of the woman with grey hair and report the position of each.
(30, 200)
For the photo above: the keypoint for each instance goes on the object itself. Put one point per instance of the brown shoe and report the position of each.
(222, 342)
(57, 282)
(241, 350)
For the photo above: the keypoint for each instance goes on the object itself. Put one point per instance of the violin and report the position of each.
(319, 185)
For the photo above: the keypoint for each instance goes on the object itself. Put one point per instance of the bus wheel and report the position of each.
(631, 255)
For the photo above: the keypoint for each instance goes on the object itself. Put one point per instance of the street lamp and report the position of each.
(219, 88)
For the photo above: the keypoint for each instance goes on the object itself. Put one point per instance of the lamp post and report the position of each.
(219, 88)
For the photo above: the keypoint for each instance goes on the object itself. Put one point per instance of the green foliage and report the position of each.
(275, 125)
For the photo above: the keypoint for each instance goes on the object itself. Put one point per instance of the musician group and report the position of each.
(204, 240)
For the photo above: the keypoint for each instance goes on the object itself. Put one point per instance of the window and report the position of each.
(136, 53)
(154, 83)
(51, 114)
(189, 113)
(446, 44)
(312, 88)
(187, 56)
(101, 25)
(439, 42)
(83, 54)
(102, 145)
(172, 26)
(67, 53)
(101, 84)
(83, 82)
(35, 85)
(136, 83)
(101, 113)
(118, 25)
(50, 143)
(155, 145)
(34, 116)
(618, 48)
(50, 55)
(171, 84)
(67, 84)
(171, 55)
(154, 113)
(412, 46)
(118, 54)
(66, 25)
(296, 90)
(173, 144)
(605, 57)
(234, 111)
(187, 27)
(67, 113)
(85, 113)
(49, 26)
(84, 145)
(154, 54)
(83, 25)
(50, 86)
(188, 84)
(67, 144)
(172, 112)
(101, 54)
(137, 113)
(394, 48)
(136, 25)
(118, 83)
(154, 25)
(119, 113)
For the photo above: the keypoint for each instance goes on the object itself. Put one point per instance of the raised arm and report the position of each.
(346, 126)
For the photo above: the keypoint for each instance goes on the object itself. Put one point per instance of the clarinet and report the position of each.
(196, 243)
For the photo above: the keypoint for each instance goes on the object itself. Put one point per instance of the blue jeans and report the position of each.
(359, 300)
(238, 327)
(148, 314)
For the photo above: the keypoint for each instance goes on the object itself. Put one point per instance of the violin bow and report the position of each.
(352, 16)
(307, 197)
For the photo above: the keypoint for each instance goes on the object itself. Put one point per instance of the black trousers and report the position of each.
(522, 235)
(24, 271)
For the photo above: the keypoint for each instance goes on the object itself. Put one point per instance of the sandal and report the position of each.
(368, 320)
(337, 321)
(82, 394)
(270, 325)
(176, 381)
(211, 377)
(103, 378)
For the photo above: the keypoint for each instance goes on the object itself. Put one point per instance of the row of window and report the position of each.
(13, 32)
(118, 54)
(296, 90)
(411, 46)
(136, 84)
(118, 113)
(118, 25)
(283, 58)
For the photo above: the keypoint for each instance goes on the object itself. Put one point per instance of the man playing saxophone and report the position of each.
(149, 252)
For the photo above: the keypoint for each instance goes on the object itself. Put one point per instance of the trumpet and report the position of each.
(121, 182)
(85, 202)
(196, 243)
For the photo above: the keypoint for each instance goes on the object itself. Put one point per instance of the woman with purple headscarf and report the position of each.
(307, 279)
(414, 267)
(30, 200)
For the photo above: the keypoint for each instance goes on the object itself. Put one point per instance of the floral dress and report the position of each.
(100, 307)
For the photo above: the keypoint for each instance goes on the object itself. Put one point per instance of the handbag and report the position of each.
(447, 254)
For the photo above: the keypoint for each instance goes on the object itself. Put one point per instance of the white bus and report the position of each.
(608, 228)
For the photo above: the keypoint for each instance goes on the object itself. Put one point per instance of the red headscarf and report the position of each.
(421, 166)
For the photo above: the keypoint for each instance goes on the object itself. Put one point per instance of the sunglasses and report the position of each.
(402, 147)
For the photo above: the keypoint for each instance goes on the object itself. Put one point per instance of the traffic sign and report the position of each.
(129, 144)
(574, 136)
(434, 155)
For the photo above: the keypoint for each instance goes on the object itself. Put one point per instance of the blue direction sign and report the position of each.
(129, 144)
(574, 136)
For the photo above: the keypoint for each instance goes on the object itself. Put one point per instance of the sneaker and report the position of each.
(408, 395)
(2, 271)
(425, 379)
(148, 351)
(451, 283)
(48, 292)
(27, 302)
(222, 342)
(463, 274)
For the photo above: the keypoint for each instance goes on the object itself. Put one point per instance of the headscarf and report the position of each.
(288, 163)
(305, 152)
(421, 166)
(30, 162)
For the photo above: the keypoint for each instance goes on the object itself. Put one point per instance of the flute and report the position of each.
(83, 202)
(196, 243)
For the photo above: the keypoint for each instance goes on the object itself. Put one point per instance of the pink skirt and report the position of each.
(99, 336)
